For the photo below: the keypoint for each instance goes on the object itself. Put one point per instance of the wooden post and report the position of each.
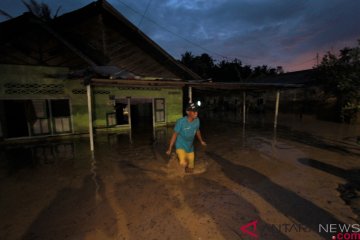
(91, 133)
(190, 94)
(94, 177)
(129, 111)
(153, 118)
(276, 108)
(243, 136)
(274, 142)
(1, 131)
(50, 117)
(244, 107)
(129, 118)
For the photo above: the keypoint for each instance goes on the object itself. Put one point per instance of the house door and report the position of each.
(141, 114)
(15, 118)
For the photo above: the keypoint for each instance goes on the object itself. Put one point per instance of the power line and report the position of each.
(175, 34)
(143, 16)
(146, 9)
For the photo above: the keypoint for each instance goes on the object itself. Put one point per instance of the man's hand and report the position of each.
(198, 135)
(172, 142)
(168, 152)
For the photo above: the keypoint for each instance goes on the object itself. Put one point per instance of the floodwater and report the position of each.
(284, 182)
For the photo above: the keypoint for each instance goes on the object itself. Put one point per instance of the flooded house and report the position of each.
(46, 66)
(304, 98)
(297, 89)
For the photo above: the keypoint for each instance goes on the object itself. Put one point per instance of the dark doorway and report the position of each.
(141, 121)
(16, 112)
(122, 115)
(141, 114)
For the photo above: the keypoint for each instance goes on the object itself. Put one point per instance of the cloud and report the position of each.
(278, 32)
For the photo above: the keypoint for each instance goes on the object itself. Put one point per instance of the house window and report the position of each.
(60, 111)
(111, 119)
(159, 109)
(34, 117)
(39, 117)
(122, 112)
(40, 108)
(41, 126)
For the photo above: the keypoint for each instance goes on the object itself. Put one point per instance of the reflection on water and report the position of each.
(128, 145)
(32, 156)
(115, 138)
(58, 190)
(94, 177)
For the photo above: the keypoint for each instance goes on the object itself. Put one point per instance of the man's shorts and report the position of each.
(185, 158)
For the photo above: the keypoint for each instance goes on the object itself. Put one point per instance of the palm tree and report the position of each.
(3, 13)
(40, 10)
(187, 59)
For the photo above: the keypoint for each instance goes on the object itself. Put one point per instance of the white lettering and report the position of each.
(324, 228)
(356, 228)
(344, 227)
(333, 228)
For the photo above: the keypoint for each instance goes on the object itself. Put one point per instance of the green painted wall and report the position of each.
(103, 105)
(23, 82)
(34, 82)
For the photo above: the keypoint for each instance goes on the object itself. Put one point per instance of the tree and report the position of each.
(279, 70)
(5, 14)
(225, 71)
(203, 65)
(187, 59)
(41, 10)
(340, 78)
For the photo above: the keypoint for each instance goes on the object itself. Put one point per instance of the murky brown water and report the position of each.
(304, 174)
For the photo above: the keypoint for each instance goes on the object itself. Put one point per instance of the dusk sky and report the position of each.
(284, 33)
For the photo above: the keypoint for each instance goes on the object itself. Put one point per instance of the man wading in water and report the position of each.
(184, 132)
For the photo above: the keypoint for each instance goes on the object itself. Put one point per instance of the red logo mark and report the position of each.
(245, 229)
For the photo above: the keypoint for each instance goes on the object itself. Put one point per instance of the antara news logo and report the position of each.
(341, 231)
(337, 231)
(251, 231)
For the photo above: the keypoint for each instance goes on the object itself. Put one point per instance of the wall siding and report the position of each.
(75, 91)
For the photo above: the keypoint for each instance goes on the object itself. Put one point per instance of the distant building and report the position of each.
(43, 66)
(297, 100)
(297, 91)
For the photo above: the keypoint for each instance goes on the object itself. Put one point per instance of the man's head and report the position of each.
(192, 110)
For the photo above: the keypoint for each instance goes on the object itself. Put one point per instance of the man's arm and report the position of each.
(198, 135)
(172, 142)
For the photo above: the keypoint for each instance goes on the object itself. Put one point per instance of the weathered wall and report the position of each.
(37, 82)
(102, 103)
(40, 82)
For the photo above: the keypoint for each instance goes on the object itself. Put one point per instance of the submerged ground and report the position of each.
(284, 182)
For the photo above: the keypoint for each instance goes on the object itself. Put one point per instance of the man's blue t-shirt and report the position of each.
(186, 132)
